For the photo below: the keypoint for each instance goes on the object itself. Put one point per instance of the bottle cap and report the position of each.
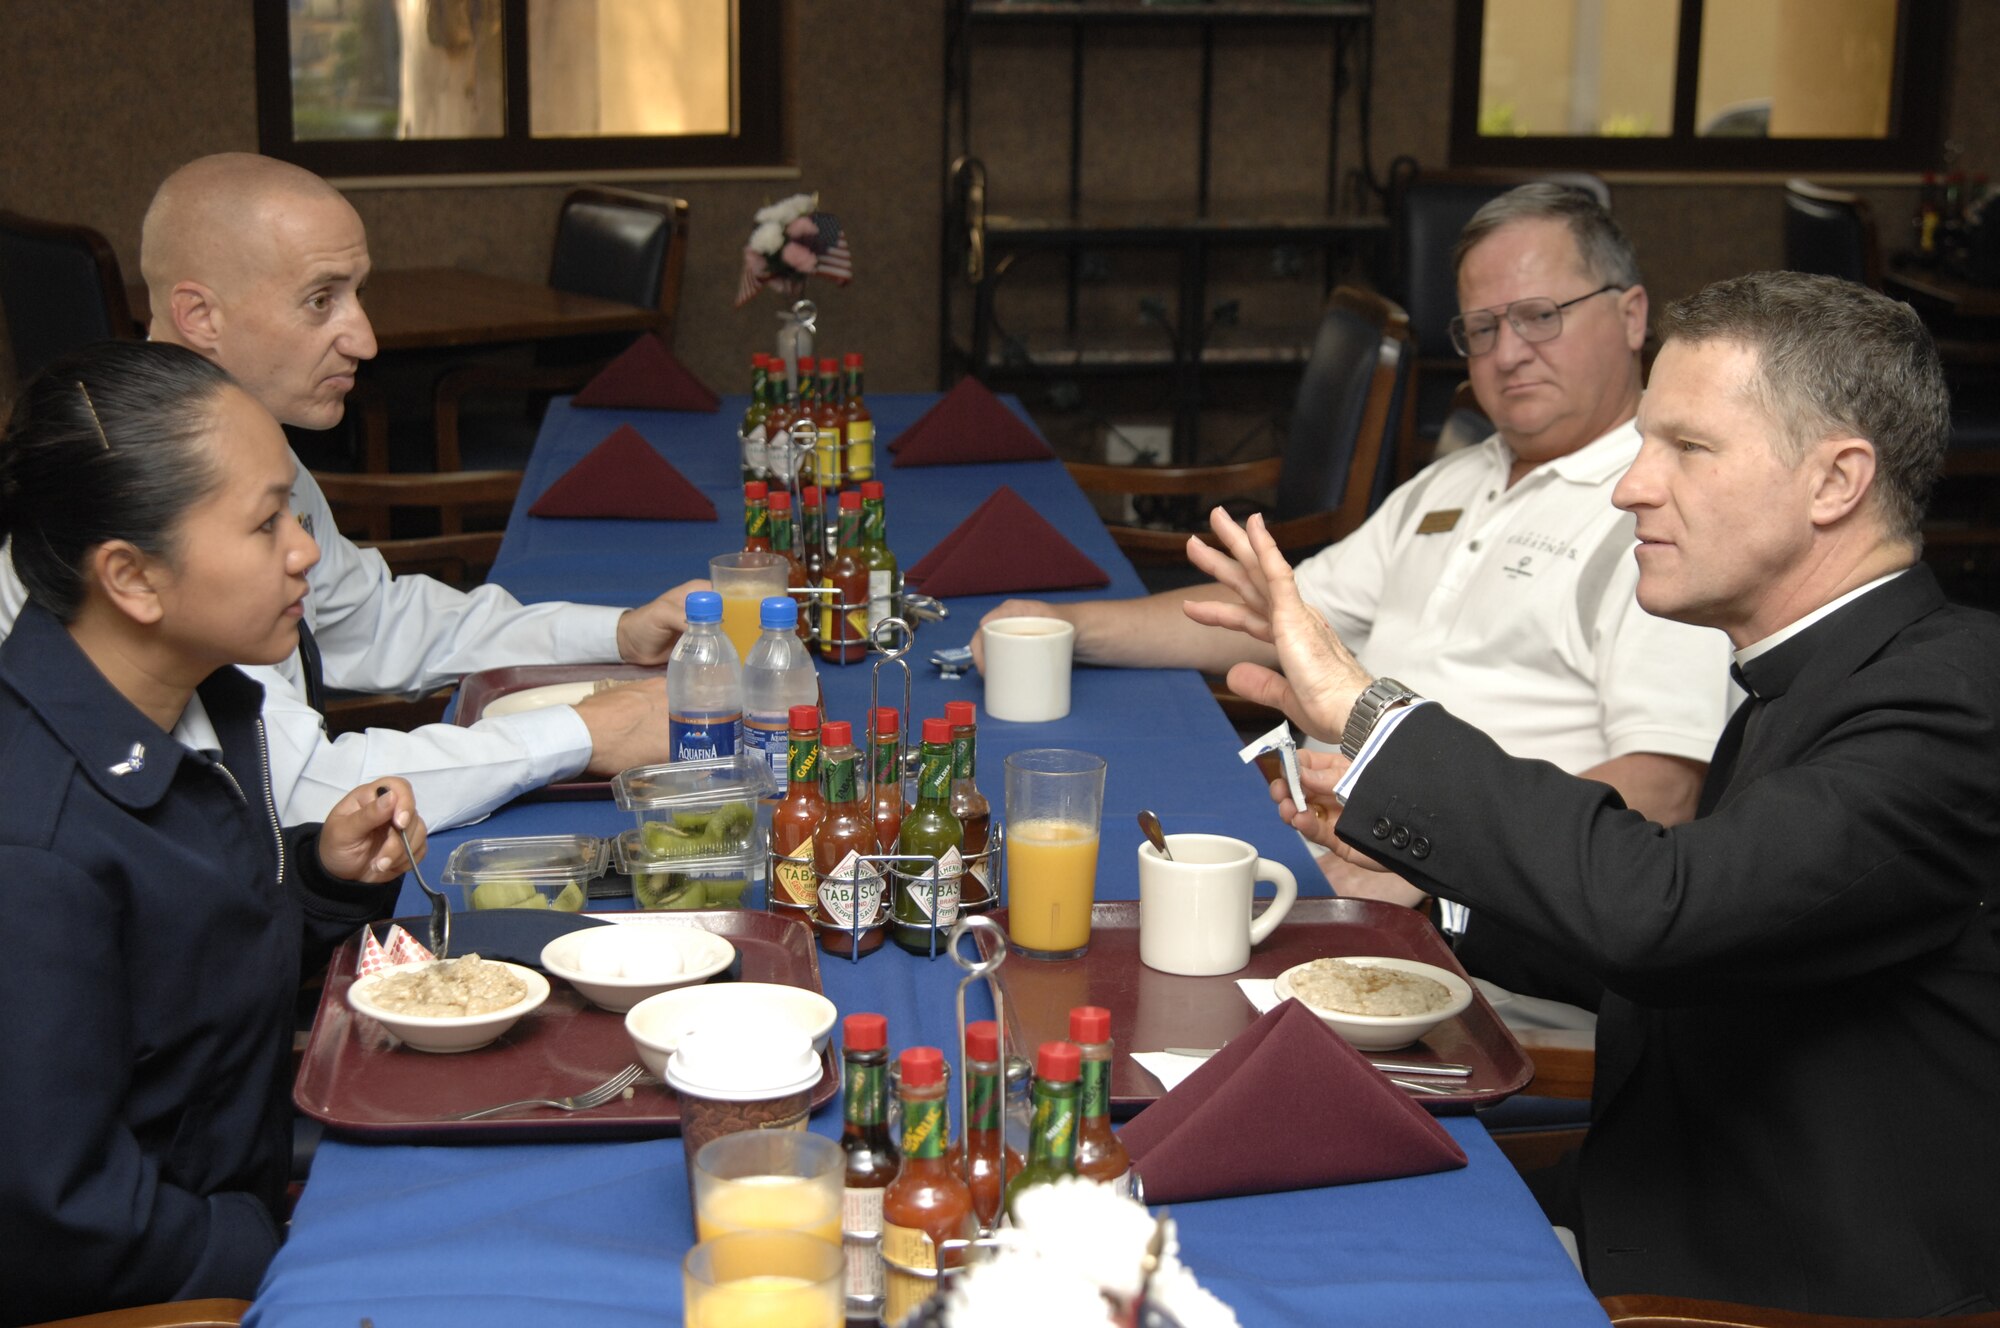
(982, 1041)
(781, 500)
(922, 1067)
(829, 365)
(937, 731)
(864, 1032)
(836, 733)
(1090, 1023)
(756, 489)
(871, 489)
(777, 613)
(1058, 1061)
(704, 606)
(887, 720)
(805, 719)
(854, 359)
(850, 501)
(961, 714)
(811, 495)
(760, 359)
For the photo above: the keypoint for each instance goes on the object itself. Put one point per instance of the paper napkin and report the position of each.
(646, 376)
(624, 477)
(397, 947)
(1005, 546)
(1287, 1105)
(969, 424)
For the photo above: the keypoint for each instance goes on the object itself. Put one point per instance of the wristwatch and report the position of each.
(1376, 700)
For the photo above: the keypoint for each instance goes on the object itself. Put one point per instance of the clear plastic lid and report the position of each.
(634, 851)
(541, 859)
(694, 786)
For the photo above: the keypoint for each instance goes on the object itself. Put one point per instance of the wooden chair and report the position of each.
(60, 289)
(174, 1314)
(612, 243)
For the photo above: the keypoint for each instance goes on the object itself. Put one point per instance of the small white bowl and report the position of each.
(1384, 1032)
(693, 954)
(657, 1024)
(453, 1032)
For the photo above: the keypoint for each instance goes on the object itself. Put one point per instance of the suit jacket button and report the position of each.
(1420, 847)
(1401, 837)
(1381, 828)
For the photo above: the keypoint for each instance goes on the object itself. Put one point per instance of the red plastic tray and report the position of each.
(479, 690)
(357, 1079)
(1151, 1011)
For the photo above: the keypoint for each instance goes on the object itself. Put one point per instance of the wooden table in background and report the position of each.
(1930, 291)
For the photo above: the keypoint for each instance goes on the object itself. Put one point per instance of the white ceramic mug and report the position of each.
(1194, 911)
(1027, 668)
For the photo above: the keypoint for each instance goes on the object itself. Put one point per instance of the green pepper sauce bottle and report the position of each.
(926, 901)
(1052, 1136)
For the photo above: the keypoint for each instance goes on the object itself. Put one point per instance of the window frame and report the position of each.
(759, 140)
(1914, 141)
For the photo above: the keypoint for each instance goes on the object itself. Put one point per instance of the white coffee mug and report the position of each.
(1027, 668)
(1194, 910)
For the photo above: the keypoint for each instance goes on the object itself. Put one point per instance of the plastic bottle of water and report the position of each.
(778, 675)
(704, 686)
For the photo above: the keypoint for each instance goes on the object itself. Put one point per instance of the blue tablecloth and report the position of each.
(593, 1233)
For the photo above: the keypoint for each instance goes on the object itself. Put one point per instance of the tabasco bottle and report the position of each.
(811, 552)
(843, 616)
(756, 517)
(795, 572)
(989, 1162)
(827, 418)
(927, 1205)
(851, 913)
(860, 425)
(969, 805)
(885, 582)
(872, 1159)
(752, 432)
(925, 905)
(795, 820)
(1100, 1156)
(801, 423)
(885, 775)
(1052, 1136)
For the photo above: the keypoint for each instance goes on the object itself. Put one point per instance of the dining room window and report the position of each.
(1698, 84)
(400, 87)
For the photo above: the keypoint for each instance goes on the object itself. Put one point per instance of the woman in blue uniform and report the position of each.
(158, 917)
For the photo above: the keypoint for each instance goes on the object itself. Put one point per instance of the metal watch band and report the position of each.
(1368, 709)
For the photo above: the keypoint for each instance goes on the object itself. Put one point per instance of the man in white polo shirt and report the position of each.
(1501, 575)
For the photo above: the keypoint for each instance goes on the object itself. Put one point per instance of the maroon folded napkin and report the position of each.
(1003, 547)
(624, 477)
(1287, 1105)
(969, 424)
(646, 376)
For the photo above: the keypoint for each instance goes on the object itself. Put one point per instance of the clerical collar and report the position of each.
(1786, 633)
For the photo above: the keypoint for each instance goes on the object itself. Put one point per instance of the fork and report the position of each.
(584, 1101)
(440, 929)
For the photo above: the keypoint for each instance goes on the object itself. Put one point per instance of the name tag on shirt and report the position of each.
(1436, 523)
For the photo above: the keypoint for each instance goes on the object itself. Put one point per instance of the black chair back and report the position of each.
(60, 289)
(1328, 411)
(619, 245)
(1831, 233)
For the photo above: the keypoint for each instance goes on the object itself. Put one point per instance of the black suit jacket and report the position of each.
(1798, 1075)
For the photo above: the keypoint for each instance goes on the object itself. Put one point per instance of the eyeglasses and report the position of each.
(1537, 318)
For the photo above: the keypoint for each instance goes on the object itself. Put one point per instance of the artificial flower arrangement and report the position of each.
(793, 240)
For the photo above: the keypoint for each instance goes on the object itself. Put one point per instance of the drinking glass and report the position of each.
(769, 1180)
(1055, 800)
(743, 580)
(763, 1279)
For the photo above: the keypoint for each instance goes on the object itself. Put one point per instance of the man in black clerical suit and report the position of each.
(1799, 1040)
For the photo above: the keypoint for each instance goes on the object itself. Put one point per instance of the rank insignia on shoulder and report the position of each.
(134, 763)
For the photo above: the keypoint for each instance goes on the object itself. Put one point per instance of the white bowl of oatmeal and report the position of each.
(1375, 1002)
(450, 1005)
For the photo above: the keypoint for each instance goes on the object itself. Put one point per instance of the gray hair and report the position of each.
(1837, 360)
(1606, 253)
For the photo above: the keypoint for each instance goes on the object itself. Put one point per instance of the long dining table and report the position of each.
(568, 1231)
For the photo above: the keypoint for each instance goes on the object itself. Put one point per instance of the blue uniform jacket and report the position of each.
(156, 921)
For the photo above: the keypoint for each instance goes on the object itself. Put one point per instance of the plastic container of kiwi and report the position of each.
(528, 871)
(670, 872)
(706, 807)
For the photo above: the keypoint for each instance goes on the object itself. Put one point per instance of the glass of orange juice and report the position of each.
(769, 1180)
(743, 580)
(1055, 799)
(763, 1279)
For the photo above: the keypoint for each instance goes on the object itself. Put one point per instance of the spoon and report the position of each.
(440, 927)
(1151, 825)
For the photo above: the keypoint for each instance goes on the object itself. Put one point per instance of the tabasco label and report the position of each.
(860, 448)
(852, 894)
(910, 1268)
(937, 895)
(794, 876)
